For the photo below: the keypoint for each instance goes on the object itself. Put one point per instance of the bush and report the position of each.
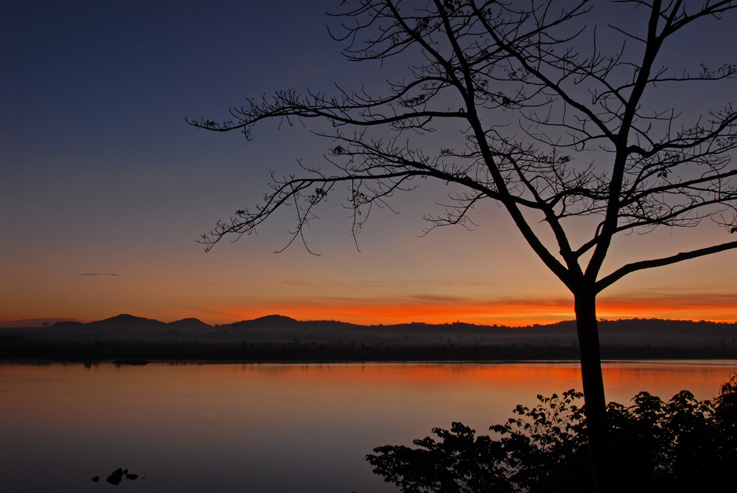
(680, 445)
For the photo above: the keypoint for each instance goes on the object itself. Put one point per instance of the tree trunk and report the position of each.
(593, 384)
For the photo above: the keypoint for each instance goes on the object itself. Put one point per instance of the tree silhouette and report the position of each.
(682, 445)
(570, 123)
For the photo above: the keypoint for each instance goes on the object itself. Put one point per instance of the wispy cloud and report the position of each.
(397, 284)
(99, 274)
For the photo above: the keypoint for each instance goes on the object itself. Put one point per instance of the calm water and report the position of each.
(270, 428)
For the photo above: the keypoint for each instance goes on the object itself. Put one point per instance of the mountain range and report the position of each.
(278, 328)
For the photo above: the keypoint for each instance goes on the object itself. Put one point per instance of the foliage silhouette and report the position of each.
(679, 445)
(565, 116)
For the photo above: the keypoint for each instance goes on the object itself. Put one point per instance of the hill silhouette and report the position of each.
(284, 338)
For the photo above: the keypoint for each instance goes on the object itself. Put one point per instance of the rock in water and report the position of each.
(116, 477)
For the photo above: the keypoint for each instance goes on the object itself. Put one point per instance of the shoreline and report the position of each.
(21, 350)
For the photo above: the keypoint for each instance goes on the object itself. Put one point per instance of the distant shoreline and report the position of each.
(282, 339)
(20, 350)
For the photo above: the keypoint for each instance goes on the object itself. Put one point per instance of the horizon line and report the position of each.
(49, 321)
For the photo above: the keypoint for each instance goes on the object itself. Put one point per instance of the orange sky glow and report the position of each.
(511, 313)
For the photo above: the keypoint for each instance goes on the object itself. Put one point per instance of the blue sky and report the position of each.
(104, 187)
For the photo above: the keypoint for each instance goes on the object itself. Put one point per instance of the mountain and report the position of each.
(284, 338)
(127, 322)
(269, 321)
(189, 324)
(120, 327)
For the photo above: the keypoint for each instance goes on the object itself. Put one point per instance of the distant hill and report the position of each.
(284, 337)
(189, 324)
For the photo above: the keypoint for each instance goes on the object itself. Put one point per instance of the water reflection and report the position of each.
(270, 427)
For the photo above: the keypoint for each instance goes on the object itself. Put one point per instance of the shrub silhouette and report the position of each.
(679, 445)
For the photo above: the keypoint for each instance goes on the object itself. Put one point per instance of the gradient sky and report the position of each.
(104, 188)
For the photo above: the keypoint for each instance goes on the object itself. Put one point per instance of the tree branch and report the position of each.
(649, 264)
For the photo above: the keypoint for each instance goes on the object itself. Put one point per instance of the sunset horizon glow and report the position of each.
(512, 314)
(718, 309)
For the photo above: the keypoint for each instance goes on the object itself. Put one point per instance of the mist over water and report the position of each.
(271, 427)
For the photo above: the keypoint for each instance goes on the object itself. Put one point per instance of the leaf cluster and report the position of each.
(679, 445)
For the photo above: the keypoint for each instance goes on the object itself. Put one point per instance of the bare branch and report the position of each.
(530, 90)
(660, 262)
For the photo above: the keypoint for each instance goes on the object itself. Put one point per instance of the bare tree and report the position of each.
(558, 126)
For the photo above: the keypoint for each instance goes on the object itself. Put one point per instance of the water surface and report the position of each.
(270, 427)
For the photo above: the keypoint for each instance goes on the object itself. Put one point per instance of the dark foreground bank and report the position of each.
(18, 348)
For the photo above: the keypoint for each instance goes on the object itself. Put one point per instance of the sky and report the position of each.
(104, 188)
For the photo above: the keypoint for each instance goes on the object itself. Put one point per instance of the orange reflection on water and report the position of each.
(622, 379)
